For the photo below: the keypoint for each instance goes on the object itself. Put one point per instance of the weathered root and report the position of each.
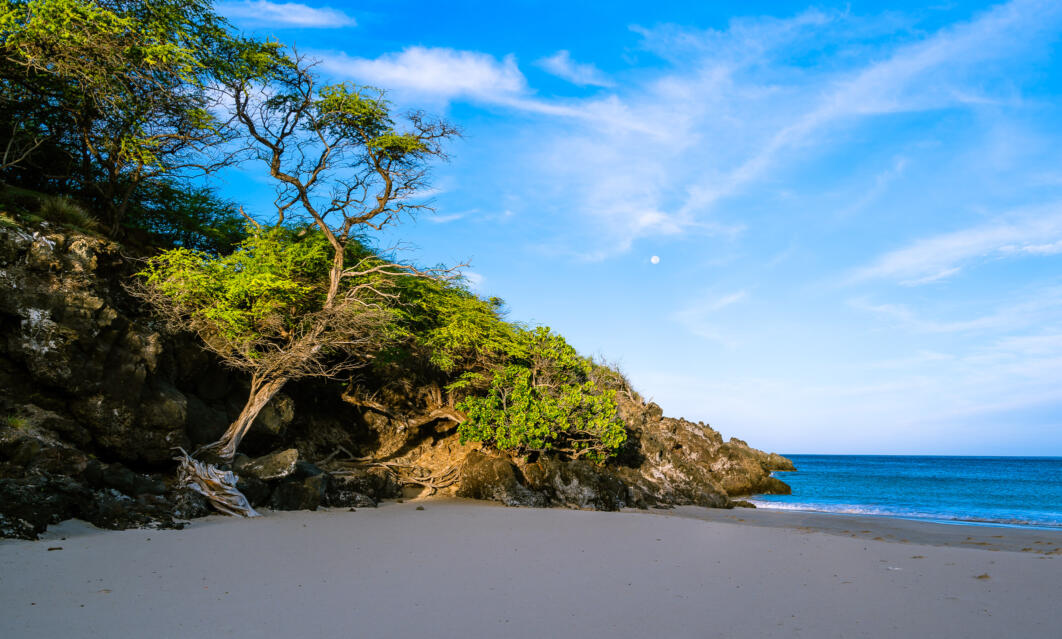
(218, 486)
(408, 474)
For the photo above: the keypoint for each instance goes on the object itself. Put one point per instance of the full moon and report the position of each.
(655, 259)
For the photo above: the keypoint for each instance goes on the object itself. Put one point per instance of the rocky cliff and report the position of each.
(95, 398)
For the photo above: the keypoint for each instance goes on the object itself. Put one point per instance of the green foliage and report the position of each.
(457, 331)
(545, 403)
(187, 216)
(16, 422)
(113, 93)
(260, 290)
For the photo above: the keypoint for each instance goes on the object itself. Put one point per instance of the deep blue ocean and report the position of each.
(1017, 491)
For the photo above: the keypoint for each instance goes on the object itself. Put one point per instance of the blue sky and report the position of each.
(857, 207)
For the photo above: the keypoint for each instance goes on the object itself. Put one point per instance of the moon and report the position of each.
(655, 259)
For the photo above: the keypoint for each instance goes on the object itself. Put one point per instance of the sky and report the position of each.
(827, 228)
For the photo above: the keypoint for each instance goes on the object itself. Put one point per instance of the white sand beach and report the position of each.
(471, 569)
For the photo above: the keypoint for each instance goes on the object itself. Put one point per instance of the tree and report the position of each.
(302, 297)
(124, 89)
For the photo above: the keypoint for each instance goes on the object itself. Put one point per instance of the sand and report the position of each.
(469, 569)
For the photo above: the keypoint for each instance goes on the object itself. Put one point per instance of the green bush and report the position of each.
(545, 403)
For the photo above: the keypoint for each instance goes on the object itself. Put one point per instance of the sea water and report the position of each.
(1018, 491)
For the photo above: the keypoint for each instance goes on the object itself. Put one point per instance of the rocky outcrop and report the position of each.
(96, 398)
(668, 462)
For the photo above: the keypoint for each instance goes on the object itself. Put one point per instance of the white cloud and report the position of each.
(940, 256)
(561, 65)
(731, 112)
(927, 75)
(291, 14)
(436, 72)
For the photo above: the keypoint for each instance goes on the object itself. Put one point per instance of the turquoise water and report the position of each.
(1021, 491)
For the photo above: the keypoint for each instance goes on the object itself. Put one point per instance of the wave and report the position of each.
(854, 509)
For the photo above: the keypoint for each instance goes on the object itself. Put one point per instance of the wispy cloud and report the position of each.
(927, 75)
(446, 73)
(1039, 306)
(285, 14)
(730, 113)
(563, 66)
(930, 259)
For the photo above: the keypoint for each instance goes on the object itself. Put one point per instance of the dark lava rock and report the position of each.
(271, 466)
(28, 506)
(304, 469)
(189, 504)
(362, 487)
(300, 494)
(122, 479)
(576, 484)
(255, 490)
(494, 478)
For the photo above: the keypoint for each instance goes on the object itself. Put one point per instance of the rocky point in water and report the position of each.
(97, 400)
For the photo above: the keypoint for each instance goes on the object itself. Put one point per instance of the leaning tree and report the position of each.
(302, 296)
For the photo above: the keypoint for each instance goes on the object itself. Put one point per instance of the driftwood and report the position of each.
(219, 486)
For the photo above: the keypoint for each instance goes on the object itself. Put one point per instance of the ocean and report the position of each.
(1011, 491)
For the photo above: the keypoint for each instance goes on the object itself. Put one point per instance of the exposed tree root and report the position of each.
(219, 486)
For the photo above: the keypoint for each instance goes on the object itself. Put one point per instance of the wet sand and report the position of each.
(470, 569)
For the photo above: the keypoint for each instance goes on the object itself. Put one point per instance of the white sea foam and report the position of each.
(852, 509)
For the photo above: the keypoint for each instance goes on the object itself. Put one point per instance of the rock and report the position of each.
(772, 486)
(300, 494)
(305, 469)
(271, 466)
(777, 462)
(29, 506)
(204, 424)
(189, 504)
(255, 490)
(362, 487)
(271, 424)
(493, 478)
(122, 479)
(576, 484)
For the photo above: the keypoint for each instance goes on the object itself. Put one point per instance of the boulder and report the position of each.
(122, 479)
(294, 493)
(362, 488)
(576, 484)
(271, 466)
(494, 478)
(255, 490)
(28, 506)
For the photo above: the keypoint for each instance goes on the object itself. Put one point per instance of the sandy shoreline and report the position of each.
(470, 569)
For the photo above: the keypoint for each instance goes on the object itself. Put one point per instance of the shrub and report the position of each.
(545, 403)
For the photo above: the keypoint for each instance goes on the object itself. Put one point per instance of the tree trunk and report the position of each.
(261, 392)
